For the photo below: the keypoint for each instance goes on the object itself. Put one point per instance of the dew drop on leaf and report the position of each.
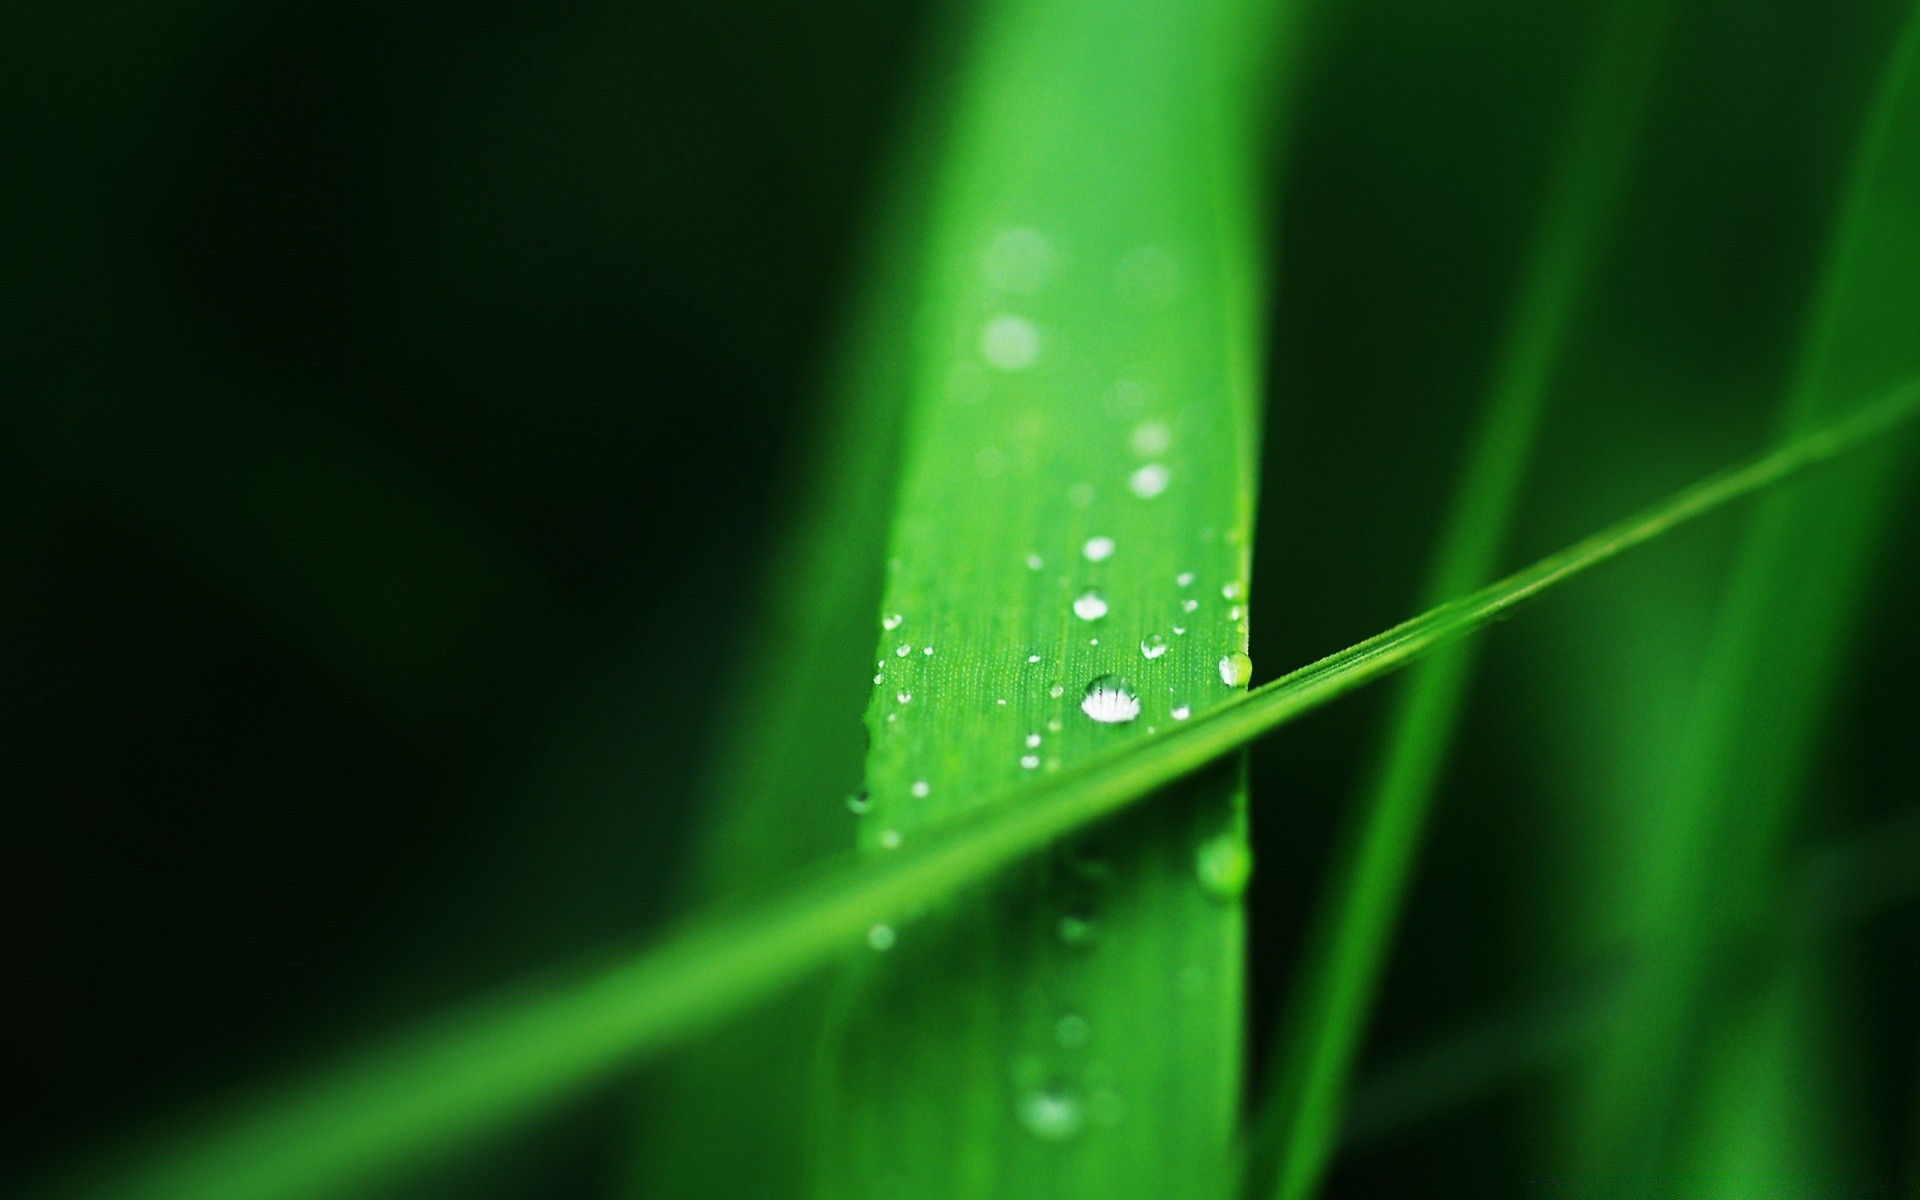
(919, 787)
(881, 937)
(1110, 700)
(1098, 549)
(1224, 865)
(1030, 762)
(1090, 606)
(1149, 481)
(1236, 669)
(1051, 1114)
(859, 802)
(1181, 712)
(1153, 645)
(891, 621)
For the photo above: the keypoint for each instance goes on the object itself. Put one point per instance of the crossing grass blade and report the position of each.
(1067, 574)
(1784, 629)
(474, 1072)
(1301, 1118)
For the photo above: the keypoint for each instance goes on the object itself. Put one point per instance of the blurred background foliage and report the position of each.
(402, 402)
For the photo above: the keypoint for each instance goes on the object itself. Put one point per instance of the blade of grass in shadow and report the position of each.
(1301, 1117)
(1067, 573)
(796, 746)
(1773, 664)
(475, 1071)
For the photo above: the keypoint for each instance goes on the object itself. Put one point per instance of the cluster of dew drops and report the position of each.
(1019, 262)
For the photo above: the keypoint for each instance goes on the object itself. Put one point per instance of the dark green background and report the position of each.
(399, 400)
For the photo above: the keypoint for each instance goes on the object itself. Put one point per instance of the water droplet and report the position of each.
(1224, 865)
(919, 787)
(1033, 658)
(1230, 590)
(1055, 724)
(1091, 606)
(1057, 690)
(1110, 700)
(1010, 343)
(881, 937)
(902, 650)
(927, 650)
(1035, 562)
(1002, 702)
(1179, 631)
(1184, 579)
(1149, 481)
(1153, 645)
(1098, 549)
(889, 839)
(879, 679)
(1189, 605)
(1151, 438)
(1019, 261)
(1236, 669)
(1235, 613)
(891, 621)
(1051, 1114)
(1030, 762)
(1077, 931)
(859, 802)
(1033, 740)
(1181, 712)
(903, 697)
(1071, 1030)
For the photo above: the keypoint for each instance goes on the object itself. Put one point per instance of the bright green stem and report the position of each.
(1300, 1121)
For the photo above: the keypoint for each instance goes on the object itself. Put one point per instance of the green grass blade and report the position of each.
(476, 1071)
(1772, 666)
(1301, 1118)
(1077, 505)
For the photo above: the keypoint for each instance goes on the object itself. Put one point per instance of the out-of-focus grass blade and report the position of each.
(797, 745)
(1773, 665)
(476, 1071)
(1301, 1119)
(1068, 573)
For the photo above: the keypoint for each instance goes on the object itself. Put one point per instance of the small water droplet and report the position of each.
(1019, 260)
(891, 621)
(1189, 605)
(859, 802)
(919, 787)
(903, 697)
(1077, 931)
(1179, 631)
(1051, 1114)
(902, 650)
(1010, 343)
(1002, 702)
(1071, 1030)
(1098, 549)
(1184, 579)
(1224, 865)
(1153, 645)
(879, 679)
(927, 650)
(1230, 590)
(1030, 762)
(1057, 690)
(1035, 562)
(889, 839)
(1055, 724)
(881, 937)
(1110, 700)
(1181, 712)
(1151, 438)
(1033, 740)
(1091, 606)
(1033, 658)
(1149, 481)
(1236, 669)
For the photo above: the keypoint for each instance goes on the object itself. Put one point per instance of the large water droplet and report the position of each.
(1149, 481)
(1153, 645)
(1090, 606)
(1236, 669)
(1051, 1114)
(1010, 343)
(1110, 700)
(1098, 549)
(1224, 866)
